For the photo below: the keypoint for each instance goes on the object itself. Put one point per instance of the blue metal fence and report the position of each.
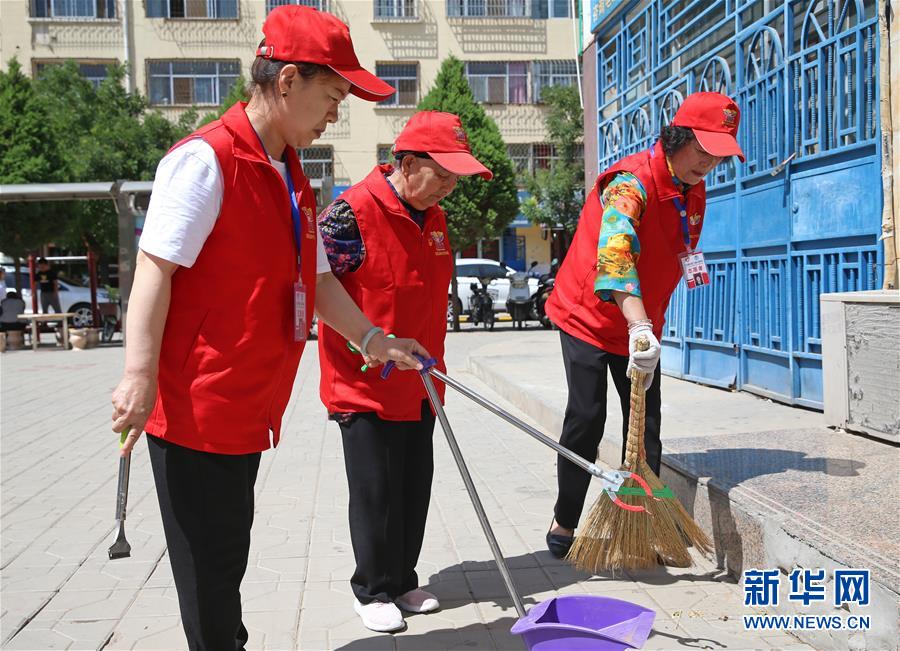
(802, 215)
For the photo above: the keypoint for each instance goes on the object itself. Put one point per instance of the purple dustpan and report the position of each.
(585, 623)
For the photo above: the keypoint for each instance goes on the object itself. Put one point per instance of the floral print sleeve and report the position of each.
(618, 247)
(341, 239)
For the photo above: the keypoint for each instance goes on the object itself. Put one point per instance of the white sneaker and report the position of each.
(418, 601)
(380, 616)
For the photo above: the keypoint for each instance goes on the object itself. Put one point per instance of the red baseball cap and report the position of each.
(714, 119)
(441, 136)
(296, 33)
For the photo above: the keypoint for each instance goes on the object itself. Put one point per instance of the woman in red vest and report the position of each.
(387, 242)
(636, 239)
(229, 269)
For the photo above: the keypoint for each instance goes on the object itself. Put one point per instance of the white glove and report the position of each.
(644, 361)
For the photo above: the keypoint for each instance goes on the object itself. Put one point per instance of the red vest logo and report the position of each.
(439, 241)
(310, 223)
(695, 219)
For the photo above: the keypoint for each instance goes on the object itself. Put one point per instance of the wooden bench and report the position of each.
(34, 319)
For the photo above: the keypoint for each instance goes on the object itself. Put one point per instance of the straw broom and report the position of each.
(614, 538)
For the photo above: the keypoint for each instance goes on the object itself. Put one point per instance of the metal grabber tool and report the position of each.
(611, 480)
(434, 398)
(120, 548)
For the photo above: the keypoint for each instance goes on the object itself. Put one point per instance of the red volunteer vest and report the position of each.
(228, 357)
(574, 307)
(402, 287)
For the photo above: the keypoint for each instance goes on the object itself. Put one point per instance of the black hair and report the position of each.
(264, 72)
(674, 138)
(42, 261)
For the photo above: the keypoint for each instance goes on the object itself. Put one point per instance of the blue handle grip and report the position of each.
(427, 363)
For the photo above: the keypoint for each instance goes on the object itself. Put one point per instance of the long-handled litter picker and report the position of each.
(120, 548)
(559, 623)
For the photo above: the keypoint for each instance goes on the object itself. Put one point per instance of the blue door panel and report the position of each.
(715, 364)
(719, 223)
(801, 216)
(765, 216)
(837, 202)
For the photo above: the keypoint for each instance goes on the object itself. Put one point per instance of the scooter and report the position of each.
(519, 303)
(481, 305)
(539, 300)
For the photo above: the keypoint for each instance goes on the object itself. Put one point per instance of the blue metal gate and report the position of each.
(802, 216)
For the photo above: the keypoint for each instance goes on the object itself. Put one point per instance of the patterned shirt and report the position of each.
(618, 248)
(341, 238)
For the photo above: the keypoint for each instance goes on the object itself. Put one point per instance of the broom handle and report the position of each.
(634, 447)
(578, 460)
(473, 494)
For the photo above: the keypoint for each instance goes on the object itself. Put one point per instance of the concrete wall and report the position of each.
(893, 6)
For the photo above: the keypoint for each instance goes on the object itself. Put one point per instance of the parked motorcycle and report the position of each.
(519, 304)
(481, 305)
(539, 300)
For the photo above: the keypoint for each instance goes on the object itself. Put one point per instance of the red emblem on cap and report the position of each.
(731, 116)
(460, 134)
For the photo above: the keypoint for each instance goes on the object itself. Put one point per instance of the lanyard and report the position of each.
(295, 210)
(681, 207)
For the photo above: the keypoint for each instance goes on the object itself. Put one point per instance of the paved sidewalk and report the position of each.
(59, 590)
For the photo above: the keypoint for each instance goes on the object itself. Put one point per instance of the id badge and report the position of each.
(299, 312)
(693, 267)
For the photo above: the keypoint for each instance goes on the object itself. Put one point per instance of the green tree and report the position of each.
(27, 155)
(557, 194)
(106, 134)
(477, 208)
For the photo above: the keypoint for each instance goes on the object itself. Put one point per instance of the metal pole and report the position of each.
(579, 461)
(127, 246)
(33, 282)
(473, 494)
(92, 276)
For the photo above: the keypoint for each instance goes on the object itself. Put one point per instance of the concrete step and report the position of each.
(771, 485)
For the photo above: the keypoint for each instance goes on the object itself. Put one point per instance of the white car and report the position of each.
(472, 270)
(72, 298)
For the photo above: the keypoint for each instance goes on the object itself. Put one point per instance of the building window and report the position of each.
(187, 83)
(391, 9)
(321, 5)
(317, 162)
(211, 9)
(553, 73)
(530, 157)
(402, 76)
(94, 71)
(385, 154)
(498, 82)
(73, 9)
(487, 8)
(551, 9)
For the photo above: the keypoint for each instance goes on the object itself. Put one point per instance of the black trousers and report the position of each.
(586, 374)
(206, 502)
(389, 470)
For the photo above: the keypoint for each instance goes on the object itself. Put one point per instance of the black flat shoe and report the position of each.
(559, 545)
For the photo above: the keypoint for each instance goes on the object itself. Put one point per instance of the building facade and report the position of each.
(188, 53)
(804, 215)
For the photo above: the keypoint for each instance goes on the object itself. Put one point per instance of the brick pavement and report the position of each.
(59, 590)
